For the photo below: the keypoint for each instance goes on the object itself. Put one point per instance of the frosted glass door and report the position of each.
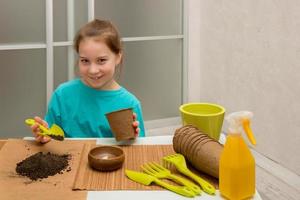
(60, 65)
(22, 89)
(142, 17)
(60, 18)
(22, 21)
(152, 71)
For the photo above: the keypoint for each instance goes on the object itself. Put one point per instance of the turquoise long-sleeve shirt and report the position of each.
(80, 110)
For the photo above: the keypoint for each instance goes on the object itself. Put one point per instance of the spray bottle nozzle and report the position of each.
(246, 125)
(239, 121)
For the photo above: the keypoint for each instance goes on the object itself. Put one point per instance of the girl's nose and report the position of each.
(94, 69)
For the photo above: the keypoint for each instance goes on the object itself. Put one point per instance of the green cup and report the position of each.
(207, 117)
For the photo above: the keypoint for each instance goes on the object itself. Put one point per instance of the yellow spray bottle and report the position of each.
(237, 165)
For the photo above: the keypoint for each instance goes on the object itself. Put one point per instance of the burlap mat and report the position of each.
(13, 186)
(135, 156)
(2, 142)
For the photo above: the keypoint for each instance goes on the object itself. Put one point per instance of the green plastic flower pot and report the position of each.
(207, 117)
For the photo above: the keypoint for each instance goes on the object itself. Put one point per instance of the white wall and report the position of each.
(246, 55)
(194, 50)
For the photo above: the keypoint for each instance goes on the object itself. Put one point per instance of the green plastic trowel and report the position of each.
(54, 132)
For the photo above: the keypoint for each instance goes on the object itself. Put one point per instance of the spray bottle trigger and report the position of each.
(246, 126)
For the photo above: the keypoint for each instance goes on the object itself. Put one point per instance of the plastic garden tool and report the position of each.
(178, 161)
(54, 132)
(146, 179)
(159, 171)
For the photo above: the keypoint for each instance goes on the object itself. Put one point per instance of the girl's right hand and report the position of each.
(36, 130)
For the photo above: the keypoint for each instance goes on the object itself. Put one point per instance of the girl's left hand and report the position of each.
(135, 125)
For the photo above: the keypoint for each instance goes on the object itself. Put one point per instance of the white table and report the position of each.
(145, 195)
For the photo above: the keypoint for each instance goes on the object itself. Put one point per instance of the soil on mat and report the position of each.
(41, 165)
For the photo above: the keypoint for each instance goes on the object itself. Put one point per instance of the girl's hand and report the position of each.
(36, 130)
(135, 125)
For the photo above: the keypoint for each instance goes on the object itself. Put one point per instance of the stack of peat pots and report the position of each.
(199, 149)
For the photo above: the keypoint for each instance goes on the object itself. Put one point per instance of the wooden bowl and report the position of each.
(106, 158)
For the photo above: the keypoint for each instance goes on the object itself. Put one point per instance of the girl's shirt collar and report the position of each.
(100, 92)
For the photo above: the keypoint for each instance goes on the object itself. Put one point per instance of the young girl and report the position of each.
(79, 106)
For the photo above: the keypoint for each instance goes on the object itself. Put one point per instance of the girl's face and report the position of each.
(97, 64)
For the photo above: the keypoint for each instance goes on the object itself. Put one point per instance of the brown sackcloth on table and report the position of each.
(14, 186)
(135, 156)
(2, 142)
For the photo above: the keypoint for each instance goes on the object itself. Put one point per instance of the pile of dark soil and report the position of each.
(41, 165)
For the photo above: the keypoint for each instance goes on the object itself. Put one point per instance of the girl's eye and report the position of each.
(84, 61)
(101, 61)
